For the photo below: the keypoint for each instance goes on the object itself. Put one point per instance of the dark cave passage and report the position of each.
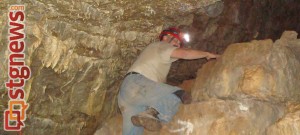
(240, 21)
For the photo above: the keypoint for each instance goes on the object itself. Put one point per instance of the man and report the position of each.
(144, 99)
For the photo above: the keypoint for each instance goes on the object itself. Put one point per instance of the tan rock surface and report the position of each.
(214, 117)
(251, 90)
(260, 69)
(289, 124)
(78, 52)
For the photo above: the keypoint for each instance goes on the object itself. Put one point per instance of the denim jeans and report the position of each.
(137, 93)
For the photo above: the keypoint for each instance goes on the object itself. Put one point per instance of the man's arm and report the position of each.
(189, 54)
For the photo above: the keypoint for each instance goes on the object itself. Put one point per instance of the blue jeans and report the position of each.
(137, 93)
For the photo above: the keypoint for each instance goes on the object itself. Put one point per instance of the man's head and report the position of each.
(173, 36)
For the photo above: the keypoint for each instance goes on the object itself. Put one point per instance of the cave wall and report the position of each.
(240, 21)
(263, 83)
(78, 52)
(241, 93)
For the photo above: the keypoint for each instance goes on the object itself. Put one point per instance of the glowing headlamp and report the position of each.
(186, 37)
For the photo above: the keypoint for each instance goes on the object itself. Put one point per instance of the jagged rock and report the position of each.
(260, 69)
(215, 116)
(246, 91)
(289, 124)
(234, 25)
(223, 117)
(78, 52)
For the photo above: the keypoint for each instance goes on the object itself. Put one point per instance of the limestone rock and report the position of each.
(250, 90)
(224, 117)
(214, 116)
(240, 21)
(78, 52)
(260, 69)
(288, 125)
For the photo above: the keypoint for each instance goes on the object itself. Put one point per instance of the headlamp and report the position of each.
(186, 37)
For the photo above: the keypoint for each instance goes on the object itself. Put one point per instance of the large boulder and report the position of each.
(251, 89)
(262, 70)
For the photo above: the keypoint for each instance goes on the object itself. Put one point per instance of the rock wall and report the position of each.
(259, 72)
(253, 89)
(260, 69)
(240, 21)
(78, 52)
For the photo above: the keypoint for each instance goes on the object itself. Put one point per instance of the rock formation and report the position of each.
(79, 50)
(252, 89)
